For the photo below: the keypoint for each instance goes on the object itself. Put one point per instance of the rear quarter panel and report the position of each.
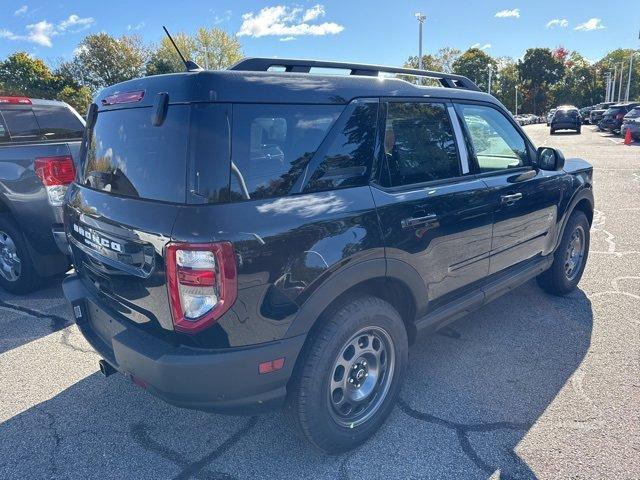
(285, 249)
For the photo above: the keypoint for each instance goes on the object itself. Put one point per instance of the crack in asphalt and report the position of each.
(141, 434)
(57, 322)
(462, 431)
(52, 428)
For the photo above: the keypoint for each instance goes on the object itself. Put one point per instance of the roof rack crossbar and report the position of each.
(447, 80)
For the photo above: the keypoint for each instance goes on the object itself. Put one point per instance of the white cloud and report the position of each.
(558, 22)
(284, 21)
(287, 39)
(479, 46)
(313, 13)
(508, 13)
(21, 11)
(137, 26)
(41, 33)
(591, 24)
(75, 23)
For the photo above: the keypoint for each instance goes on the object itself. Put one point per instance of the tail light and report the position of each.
(56, 173)
(202, 283)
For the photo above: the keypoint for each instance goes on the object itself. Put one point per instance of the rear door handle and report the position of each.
(417, 221)
(510, 199)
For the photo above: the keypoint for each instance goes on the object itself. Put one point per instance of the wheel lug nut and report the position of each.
(364, 364)
(351, 380)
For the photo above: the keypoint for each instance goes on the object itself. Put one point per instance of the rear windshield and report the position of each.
(57, 122)
(126, 155)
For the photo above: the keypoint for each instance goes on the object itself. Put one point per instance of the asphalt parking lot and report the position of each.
(531, 386)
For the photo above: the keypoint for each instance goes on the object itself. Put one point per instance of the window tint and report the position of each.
(21, 124)
(419, 143)
(127, 155)
(346, 162)
(58, 122)
(272, 145)
(496, 142)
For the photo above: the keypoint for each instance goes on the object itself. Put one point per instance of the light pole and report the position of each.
(490, 73)
(421, 18)
(613, 84)
(621, 75)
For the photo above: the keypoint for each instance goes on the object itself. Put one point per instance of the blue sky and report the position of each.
(373, 31)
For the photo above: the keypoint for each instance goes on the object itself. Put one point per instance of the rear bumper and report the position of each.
(565, 125)
(224, 381)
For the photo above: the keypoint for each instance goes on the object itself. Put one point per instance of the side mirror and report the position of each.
(550, 159)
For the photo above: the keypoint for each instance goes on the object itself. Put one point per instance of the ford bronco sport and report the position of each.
(268, 235)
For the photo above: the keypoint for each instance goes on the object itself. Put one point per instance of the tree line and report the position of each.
(101, 60)
(543, 78)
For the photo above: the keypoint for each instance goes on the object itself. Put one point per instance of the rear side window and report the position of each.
(346, 161)
(419, 143)
(58, 122)
(22, 124)
(272, 145)
(127, 155)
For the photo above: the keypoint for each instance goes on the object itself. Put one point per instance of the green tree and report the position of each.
(21, 74)
(103, 60)
(78, 97)
(212, 49)
(578, 85)
(538, 70)
(506, 83)
(475, 64)
(616, 58)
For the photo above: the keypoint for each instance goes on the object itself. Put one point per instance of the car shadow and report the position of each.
(472, 392)
(28, 317)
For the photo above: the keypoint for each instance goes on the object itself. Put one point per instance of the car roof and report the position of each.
(281, 87)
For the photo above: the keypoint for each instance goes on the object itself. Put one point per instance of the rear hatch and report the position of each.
(566, 116)
(121, 210)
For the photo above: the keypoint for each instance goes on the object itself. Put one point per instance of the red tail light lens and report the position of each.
(202, 283)
(56, 173)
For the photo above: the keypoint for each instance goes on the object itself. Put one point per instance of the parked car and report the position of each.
(585, 114)
(39, 142)
(631, 122)
(550, 116)
(595, 116)
(566, 117)
(612, 118)
(249, 238)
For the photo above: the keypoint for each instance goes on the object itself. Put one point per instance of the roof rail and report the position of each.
(304, 66)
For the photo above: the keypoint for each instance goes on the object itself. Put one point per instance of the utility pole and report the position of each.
(621, 75)
(626, 97)
(421, 18)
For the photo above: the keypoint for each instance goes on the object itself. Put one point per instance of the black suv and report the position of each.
(250, 238)
(613, 118)
(39, 145)
(567, 117)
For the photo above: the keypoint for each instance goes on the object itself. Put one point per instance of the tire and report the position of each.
(552, 132)
(579, 130)
(560, 279)
(17, 274)
(321, 393)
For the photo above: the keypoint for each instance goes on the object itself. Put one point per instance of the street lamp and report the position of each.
(421, 18)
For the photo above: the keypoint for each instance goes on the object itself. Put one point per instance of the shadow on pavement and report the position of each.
(472, 393)
(26, 318)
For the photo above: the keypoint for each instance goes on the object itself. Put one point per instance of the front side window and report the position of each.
(272, 145)
(21, 124)
(496, 142)
(419, 144)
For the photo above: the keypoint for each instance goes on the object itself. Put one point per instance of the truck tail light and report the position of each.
(202, 283)
(56, 173)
